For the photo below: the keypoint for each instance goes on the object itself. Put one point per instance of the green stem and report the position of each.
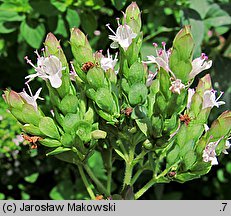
(144, 189)
(86, 183)
(109, 171)
(99, 185)
(129, 167)
(139, 157)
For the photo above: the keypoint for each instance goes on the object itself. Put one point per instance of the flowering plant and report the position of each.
(152, 120)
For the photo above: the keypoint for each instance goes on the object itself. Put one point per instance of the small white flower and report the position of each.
(150, 78)
(191, 92)
(47, 68)
(210, 100)
(161, 59)
(227, 146)
(1, 118)
(123, 36)
(209, 153)
(30, 99)
(176, 86)
(108, 62)
(199, 64)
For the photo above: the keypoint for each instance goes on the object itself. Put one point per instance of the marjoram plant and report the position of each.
(152, 120)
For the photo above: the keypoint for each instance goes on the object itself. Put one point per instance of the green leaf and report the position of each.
(95, 78)
(50, 142)
(118, 4)
(136, 73)
(183, 177)
(2, 196)
(58, 150)
(69, 104)
(31, 129)
(30, 115)
(61, 5)
(48, 127)
(104, 100)
(10, 16)
(33, 36)
(67, 140)
(4, 29)
(72, 18)
(64, 190)
(217, 17)
(83, 130)
(228, 167)
(32, 178)
(201, 7)
(61, 27)
(173, 156)
(137, 94)
(96, 161)
(88, 22)
(189, 159)
(70, 121)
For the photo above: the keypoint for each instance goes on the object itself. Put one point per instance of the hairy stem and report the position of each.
(109, 171)
(129, 167)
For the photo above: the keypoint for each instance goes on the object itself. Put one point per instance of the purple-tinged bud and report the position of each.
(132, 17)
(53, 47)
(13, 99)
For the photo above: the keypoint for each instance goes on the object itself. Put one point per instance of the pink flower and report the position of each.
(200, 64)
(47, 68)
(209, 153)
(210, 100)
(176, 86)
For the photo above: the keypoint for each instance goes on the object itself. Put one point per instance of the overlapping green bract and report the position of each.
(152, 126)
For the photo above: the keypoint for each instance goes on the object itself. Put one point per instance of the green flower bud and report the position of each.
(133, 18)
(98, 134)
(147, 144)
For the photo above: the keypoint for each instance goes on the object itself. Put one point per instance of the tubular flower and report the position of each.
(123, 36)
(161, 58)
(209, 153)
(199, 64)
(176, 86)
(30, 99)
(108, 62)
(47, 68)
(210, 100)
